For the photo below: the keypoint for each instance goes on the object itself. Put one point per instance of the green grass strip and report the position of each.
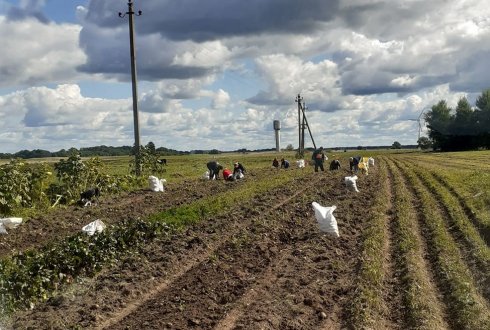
(469, 186)
(367, 305)
(466, 308)
(417, 295)
(480, 252)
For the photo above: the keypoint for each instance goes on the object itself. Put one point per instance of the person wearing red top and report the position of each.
(227, 174)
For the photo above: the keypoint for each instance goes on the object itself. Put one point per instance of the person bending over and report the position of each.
(214, 167)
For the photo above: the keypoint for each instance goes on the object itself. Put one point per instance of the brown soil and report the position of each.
(262, 265)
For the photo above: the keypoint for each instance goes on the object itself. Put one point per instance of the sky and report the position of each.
(215, 74)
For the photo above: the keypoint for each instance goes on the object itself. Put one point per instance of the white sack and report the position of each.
(326, 220)
(94, 226)
(11, 223)
(350, 182)
(300, 163)
(371, 161)
(155, 183)
(2, 229)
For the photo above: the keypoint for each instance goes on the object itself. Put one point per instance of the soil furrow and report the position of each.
(433, 296)
(215, 283)
(116, 288)
(460, 296)
(483, 230)
(186, 267)
(312, 284)
(479, 267)
(392, 295)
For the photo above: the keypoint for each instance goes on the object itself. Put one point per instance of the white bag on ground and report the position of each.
(94, 226)
(350, 182)
(371, 161)
(300, 163)
(11, 223)
(205, 176)
(325, 218)
(155, 183)
(2, 229)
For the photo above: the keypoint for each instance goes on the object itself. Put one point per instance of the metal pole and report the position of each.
(300, 151)
(309, 130)
(130, 13)
(303, 125)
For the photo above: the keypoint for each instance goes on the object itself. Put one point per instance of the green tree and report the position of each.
(424, 143)
(290, 147)
(482, 118)
(438, 121)
(150, 147)
(396, 145)
(462, 127)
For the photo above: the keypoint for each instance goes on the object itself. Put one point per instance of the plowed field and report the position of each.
(411, 254)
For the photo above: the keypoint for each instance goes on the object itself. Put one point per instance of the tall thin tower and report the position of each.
(277, 128)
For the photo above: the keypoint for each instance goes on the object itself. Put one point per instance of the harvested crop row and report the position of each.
(467, 308)
(369, 307)
(421, 302)
(472, 245)
(472, 206)
(480, 218)
(441, 160)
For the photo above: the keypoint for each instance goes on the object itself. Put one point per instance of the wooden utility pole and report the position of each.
(298, 100)
(130, 14)
(302, 124)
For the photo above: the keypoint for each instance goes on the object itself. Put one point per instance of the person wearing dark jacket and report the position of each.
(214, 167)
(354, 163)
(275, 163)
(238, 170)
(284, 163)
(318, 157)
(334, 165)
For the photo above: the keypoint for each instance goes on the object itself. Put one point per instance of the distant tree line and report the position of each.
(87, 152)
(464, 128)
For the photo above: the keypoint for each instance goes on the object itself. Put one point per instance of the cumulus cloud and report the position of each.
(62, 115)
(28, 9)
(286, 76)
(36, 53)
(371, 58)
(365, 68)
(220, 99)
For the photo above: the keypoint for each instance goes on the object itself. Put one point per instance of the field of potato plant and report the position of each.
(413, 251)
